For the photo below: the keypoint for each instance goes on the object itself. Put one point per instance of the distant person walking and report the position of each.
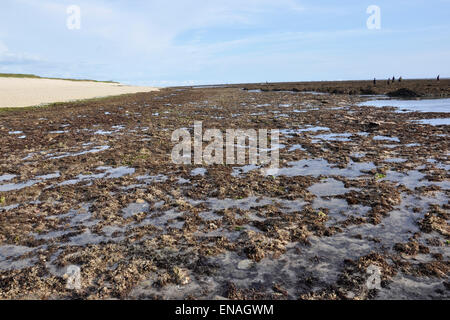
(438, 77)
(400, 79)
(374, 81)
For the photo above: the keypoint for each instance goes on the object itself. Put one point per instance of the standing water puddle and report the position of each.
(110, 173)
(25, 184)
(318, 167)
(435, 122)
(421, 105)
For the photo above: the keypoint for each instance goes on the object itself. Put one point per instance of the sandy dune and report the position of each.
(22, 92)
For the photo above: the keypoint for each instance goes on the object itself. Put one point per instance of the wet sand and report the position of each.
(23, 92)
(92, 184)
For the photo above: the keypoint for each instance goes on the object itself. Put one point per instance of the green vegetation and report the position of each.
(18, 75)
(32, 76)
(131, 159)
(380, 176)
(321, 214)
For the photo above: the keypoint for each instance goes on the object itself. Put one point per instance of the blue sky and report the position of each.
(163, 42)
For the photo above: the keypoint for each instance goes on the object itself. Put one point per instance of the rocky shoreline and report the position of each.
(91, 184)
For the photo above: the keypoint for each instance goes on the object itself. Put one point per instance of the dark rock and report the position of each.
(404, 93)
(367, 90)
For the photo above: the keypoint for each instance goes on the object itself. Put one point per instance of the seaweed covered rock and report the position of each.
(404, 93)
(368, 91)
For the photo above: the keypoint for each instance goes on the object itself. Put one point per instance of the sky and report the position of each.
(181, 42)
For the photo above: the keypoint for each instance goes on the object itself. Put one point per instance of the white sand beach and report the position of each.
(24, 92)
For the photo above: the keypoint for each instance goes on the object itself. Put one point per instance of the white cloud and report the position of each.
(153, 25)
(3, 48)
(159, 39)
(10, 58)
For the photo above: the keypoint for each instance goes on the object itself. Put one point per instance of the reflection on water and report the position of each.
(435, 122)
(422, 105)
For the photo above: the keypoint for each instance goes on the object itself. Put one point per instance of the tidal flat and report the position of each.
(360, 184)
